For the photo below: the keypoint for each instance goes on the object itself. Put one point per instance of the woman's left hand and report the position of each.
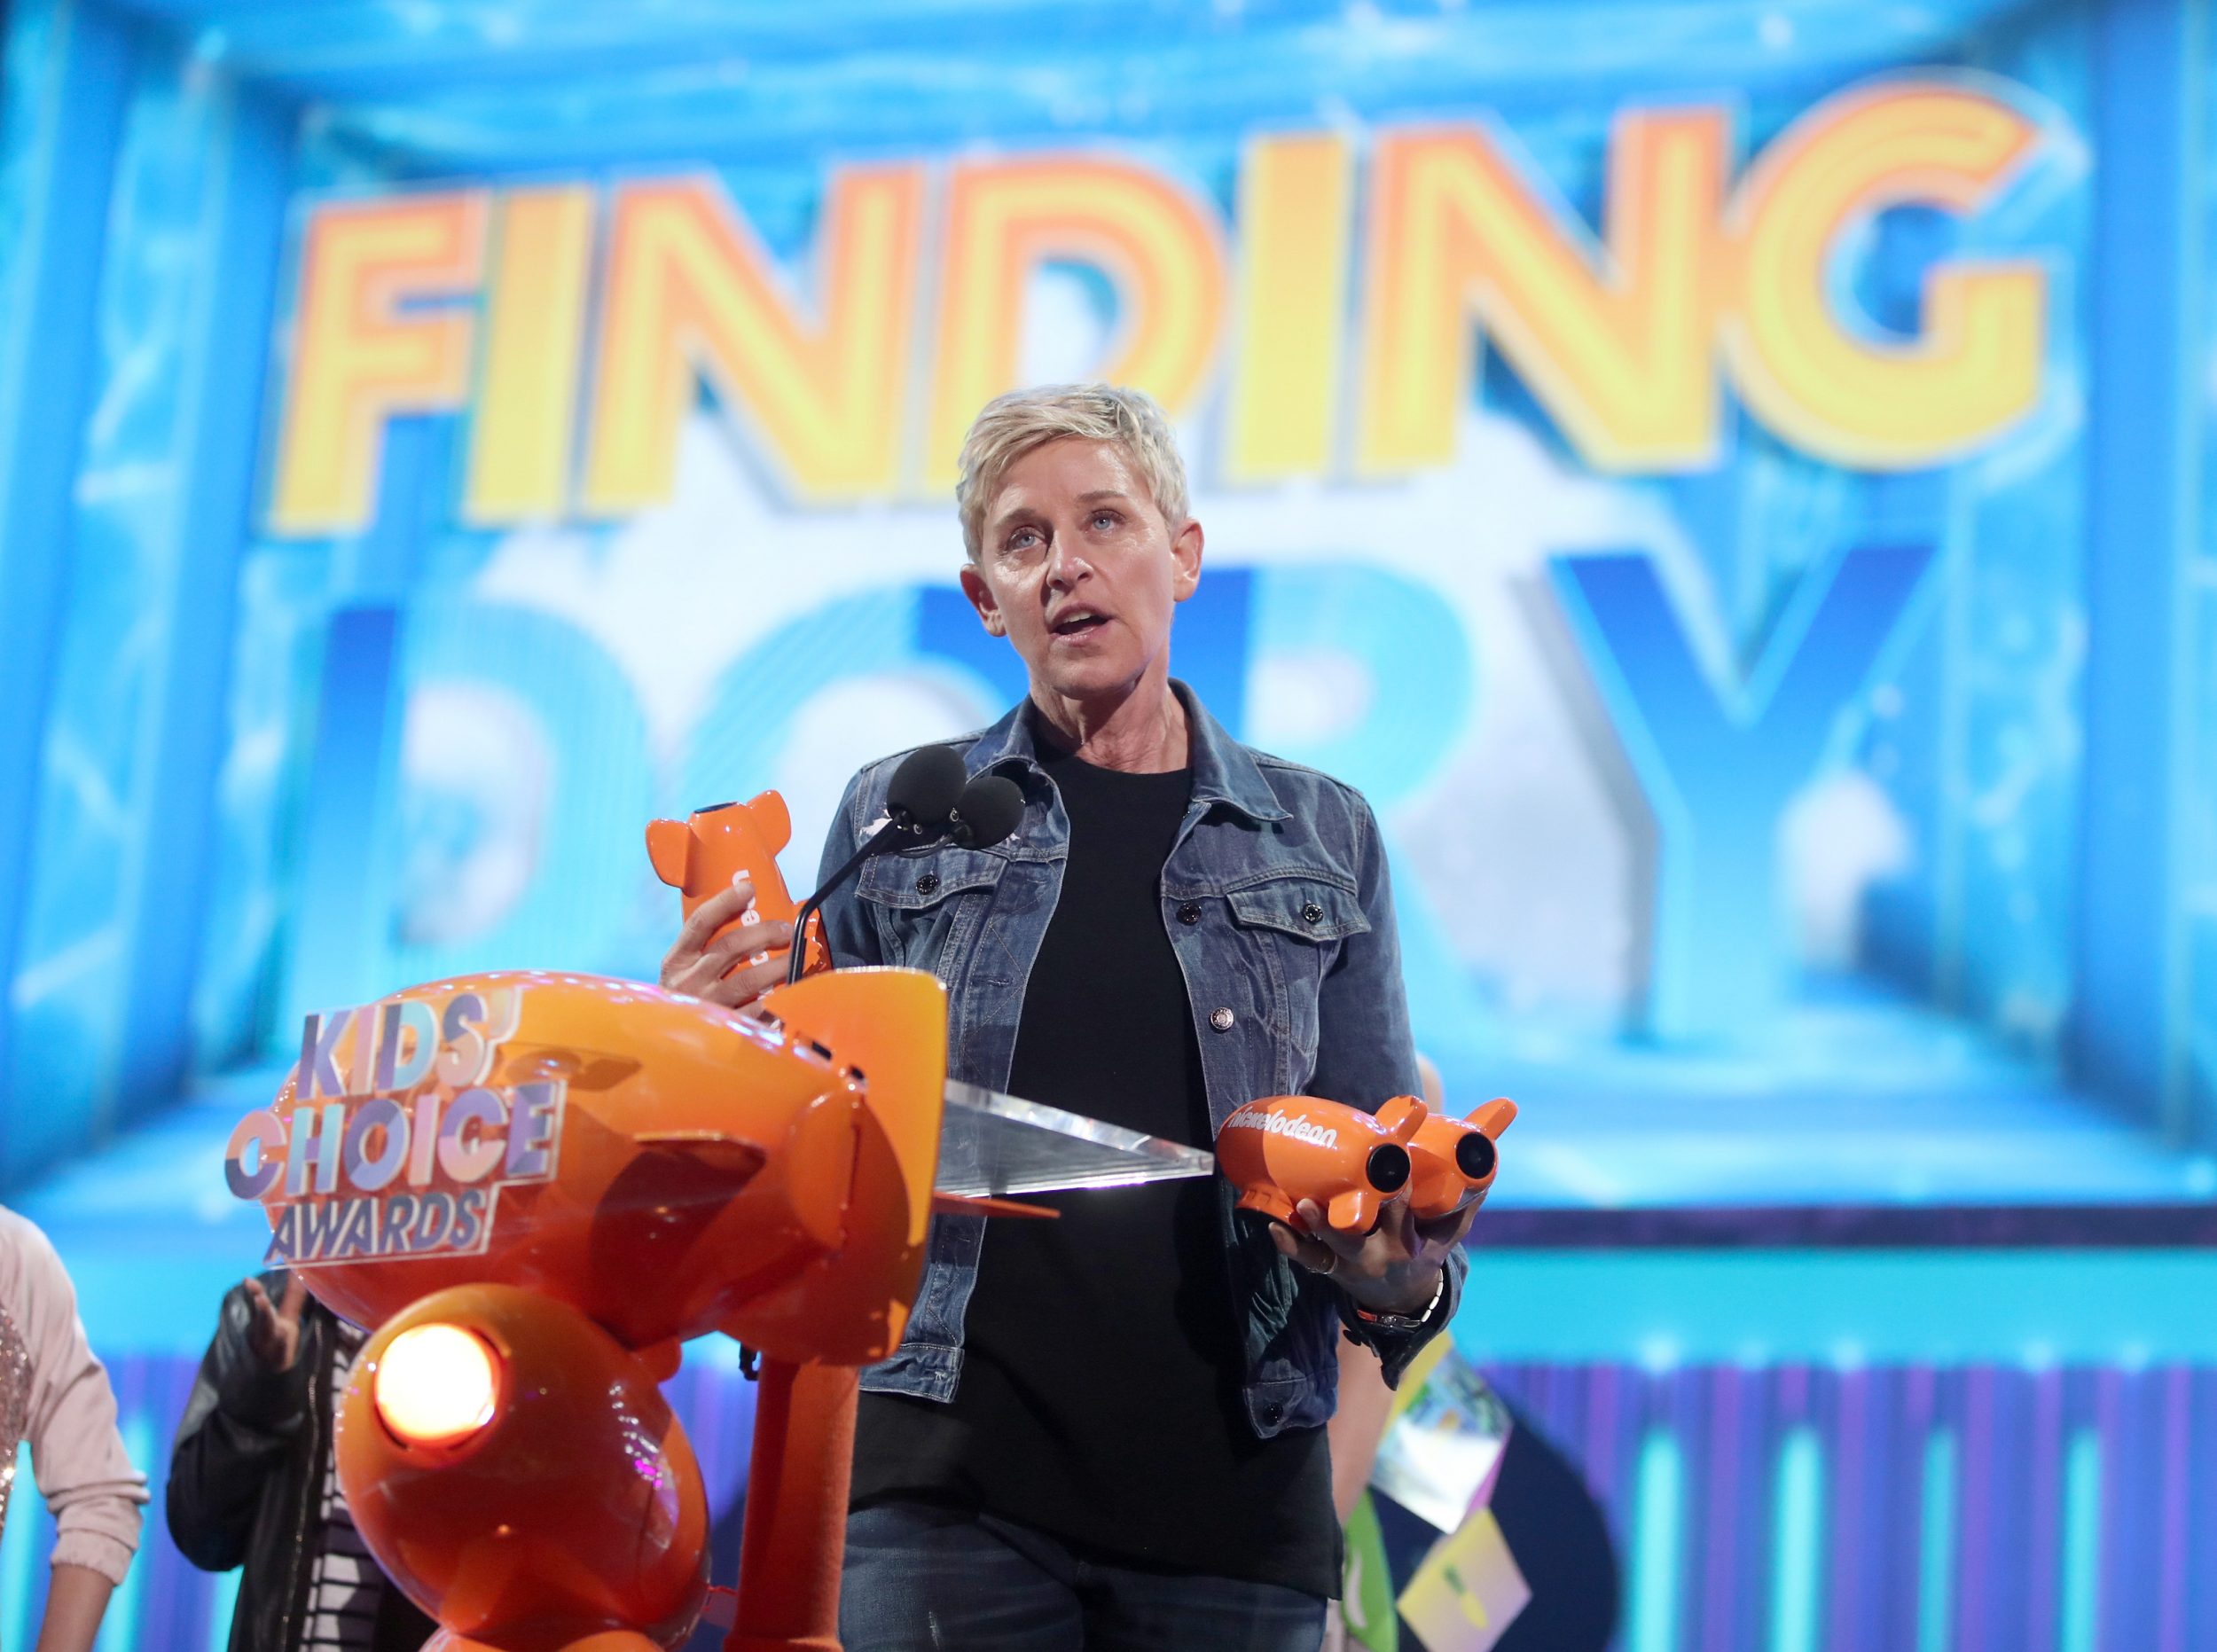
(1394, 1268)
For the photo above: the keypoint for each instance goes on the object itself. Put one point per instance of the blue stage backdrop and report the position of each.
(1727, 481)
(1662, 456)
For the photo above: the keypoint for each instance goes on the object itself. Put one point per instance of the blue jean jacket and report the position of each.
(1276, 902)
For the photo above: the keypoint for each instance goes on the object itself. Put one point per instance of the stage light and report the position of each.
(437, 1385)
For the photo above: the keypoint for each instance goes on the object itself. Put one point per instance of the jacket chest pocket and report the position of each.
(1290, 928)
(928, 905)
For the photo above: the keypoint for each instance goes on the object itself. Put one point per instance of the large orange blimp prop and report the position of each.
(539, 1186)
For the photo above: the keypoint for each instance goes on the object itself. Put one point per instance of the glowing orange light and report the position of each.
(437, 1385)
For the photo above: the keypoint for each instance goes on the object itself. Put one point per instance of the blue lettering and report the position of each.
(533, 1130)
(469, 1221)
(406, 1018)
(284, 1238)
(468, 1154)
(357, 1232)
(429, 1234)
(559, 681)
(400, 1217)
(317, 1074)
(1719, 764)
(367, 1173)
(315, 1228)
(259, 1134)
(317, 1139)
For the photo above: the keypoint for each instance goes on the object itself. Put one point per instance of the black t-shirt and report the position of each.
(1099, 1396)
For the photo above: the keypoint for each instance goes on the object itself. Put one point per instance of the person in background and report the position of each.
(1358, 1424)
(1365, 1402)
(55, 1395)
(254, 1481)
(1554, 1529)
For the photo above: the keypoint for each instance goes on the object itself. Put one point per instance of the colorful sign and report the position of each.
(388, 1141)
(1666, 505)
(1468, 1592)
(481, 301)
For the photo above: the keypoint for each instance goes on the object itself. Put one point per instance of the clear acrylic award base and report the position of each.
(992, 1144)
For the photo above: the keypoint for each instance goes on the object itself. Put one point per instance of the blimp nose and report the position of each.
(437, 1386)
(1476, 1156)
(1387, 1167)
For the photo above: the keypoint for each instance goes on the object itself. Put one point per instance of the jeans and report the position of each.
(921, 1578)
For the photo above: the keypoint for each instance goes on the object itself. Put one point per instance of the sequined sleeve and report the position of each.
(55, 1394)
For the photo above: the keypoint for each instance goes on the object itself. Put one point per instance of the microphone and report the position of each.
(926, 788)
(987, 810)
(930, 796)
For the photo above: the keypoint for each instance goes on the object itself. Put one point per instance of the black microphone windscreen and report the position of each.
(926, 785)
(987, 811)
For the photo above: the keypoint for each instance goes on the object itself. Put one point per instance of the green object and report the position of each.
(1367, 1593)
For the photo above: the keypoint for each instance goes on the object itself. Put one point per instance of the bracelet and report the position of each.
(1406, 1321)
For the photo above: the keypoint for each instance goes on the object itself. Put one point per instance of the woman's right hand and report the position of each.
(729, 969)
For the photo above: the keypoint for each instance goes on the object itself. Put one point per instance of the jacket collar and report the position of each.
(1223, 770)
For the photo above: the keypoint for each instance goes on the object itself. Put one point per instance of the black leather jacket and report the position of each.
(246, 1478)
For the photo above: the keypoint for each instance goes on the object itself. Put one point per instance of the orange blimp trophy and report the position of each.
(536, 1187)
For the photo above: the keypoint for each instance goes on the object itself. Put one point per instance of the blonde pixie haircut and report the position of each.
(1011, 426)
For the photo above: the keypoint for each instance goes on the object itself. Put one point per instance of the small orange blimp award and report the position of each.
(699, 855)
(1282, 1151)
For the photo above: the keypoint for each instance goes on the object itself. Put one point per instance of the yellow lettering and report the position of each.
(1291, 316)
(1615, 342)
(357, 361)
(527, 398)
(1162, 250)
(691, 294)
(1853, 399)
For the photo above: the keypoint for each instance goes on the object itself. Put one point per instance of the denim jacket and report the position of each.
(1276, 902)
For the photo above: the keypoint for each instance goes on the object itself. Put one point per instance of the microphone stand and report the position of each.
(891, 835)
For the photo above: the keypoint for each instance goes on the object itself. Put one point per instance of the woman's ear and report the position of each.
(1185, 550)
(981, 598)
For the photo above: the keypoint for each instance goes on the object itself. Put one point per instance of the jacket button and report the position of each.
(1312, 913)
(1222, 1019)
(927, 883)
(1189, 913)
